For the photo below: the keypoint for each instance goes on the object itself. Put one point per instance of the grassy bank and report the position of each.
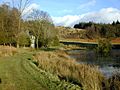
(18, 72)
(60, 64)
(57, 71)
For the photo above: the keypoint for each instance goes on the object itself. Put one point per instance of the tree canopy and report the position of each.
(15, 30)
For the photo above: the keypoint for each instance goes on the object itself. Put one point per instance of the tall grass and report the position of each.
(59, 63)
(114, 82)
(7, 50)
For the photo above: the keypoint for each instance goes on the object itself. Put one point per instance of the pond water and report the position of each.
(107, 65)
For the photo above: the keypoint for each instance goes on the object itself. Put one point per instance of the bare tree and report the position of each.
(37, 22)
(21, 5)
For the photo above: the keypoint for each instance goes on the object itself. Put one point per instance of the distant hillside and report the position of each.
(82, 35)
(102, 30)
(70, 33)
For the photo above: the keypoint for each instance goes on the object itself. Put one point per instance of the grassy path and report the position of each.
(19, 73)
(16, 73)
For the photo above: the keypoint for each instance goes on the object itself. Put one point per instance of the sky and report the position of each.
(71, 12)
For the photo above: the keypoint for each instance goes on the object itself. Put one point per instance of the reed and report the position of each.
(114, 82)
(59, 63)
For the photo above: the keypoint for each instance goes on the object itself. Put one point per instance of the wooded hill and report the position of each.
(95, 30)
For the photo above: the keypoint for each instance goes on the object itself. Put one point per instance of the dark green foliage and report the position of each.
(24, 39)
(113, 23)
(104, 47)
(95, 30)
(117, 22)
(83, 25)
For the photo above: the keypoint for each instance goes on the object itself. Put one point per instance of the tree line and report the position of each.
(17, 31)
(95, 30)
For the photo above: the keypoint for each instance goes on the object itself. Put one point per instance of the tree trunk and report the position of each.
(37, 42)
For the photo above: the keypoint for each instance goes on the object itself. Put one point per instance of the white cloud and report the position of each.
(88, 4)
(105, 15)
(67, 20)
(30, 8)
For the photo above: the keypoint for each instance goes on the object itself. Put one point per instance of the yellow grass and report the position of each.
(91, 41)
(7, 50)
(59, 63)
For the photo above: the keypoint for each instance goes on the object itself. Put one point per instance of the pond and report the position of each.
(107, 65)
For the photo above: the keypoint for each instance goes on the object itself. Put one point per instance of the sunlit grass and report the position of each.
(18, 72)
(7, 50)
(60, 64)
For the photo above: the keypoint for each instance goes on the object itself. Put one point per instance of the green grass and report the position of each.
(56, 72)
(19, 73)
(14, 76)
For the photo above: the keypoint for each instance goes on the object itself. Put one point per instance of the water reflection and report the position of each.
(107, 65)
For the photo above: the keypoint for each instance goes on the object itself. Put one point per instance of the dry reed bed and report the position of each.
(114, 82)
(7, 50)
(59, 63)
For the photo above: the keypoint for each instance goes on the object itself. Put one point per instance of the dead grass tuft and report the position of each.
(7, 50)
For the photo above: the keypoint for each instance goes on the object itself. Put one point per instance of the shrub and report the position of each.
(55, 41)
(104, 47)
(24, 39)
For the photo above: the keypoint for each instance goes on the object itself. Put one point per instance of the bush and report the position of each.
(55, 41)
(24, 39)
(104, 47)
